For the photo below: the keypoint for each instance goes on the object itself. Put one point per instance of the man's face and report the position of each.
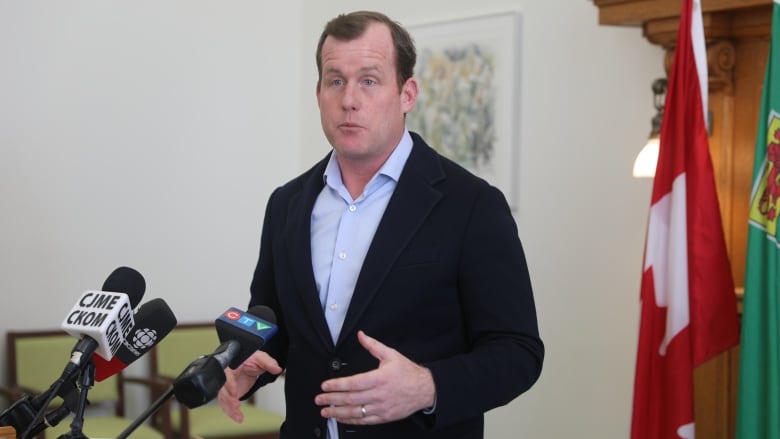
(361, 106)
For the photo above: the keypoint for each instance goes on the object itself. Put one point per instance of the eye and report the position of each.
(337, 82)
(368, 82)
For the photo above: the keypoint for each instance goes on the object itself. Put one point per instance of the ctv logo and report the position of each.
(246, 320)
(233, 315)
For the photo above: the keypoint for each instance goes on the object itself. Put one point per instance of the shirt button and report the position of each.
(334, 306)
(352, 208)
(342, 255)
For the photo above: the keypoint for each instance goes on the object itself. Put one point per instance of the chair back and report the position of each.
(182, 346)
(36, 359)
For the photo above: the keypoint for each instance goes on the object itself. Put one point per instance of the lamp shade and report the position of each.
(646, 160)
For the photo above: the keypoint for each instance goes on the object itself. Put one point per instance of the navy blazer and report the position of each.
(444, 282)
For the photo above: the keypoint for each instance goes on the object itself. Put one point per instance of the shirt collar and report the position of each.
(392, 167)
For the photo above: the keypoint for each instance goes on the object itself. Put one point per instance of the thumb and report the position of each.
(375, 347)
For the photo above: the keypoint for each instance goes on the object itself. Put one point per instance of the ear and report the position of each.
(409, 93)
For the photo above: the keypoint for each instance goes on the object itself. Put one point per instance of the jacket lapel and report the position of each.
(410, 204)
(299, 237)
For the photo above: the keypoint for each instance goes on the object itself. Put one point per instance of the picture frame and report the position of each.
(468, 108)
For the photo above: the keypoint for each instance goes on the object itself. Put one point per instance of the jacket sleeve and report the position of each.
(263, 289)
(506, 352)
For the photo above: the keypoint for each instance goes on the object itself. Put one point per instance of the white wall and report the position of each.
(150, 133)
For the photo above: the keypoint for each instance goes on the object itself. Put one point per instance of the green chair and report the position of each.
(35, 359)
(169, 358)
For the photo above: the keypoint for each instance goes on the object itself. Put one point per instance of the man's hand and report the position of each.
(393, 391)
(240, 380)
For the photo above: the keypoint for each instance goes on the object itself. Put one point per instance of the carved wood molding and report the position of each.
(726, 22)
(637, 12)
(721, 59)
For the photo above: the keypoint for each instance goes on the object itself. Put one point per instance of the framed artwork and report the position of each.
(468, 106)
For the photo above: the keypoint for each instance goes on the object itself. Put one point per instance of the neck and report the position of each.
(356, 175)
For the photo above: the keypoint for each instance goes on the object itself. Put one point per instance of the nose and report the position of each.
(350, 98)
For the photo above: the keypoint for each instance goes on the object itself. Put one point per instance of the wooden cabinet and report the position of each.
(737, 34)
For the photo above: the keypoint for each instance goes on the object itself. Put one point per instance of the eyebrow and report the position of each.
(362, 70)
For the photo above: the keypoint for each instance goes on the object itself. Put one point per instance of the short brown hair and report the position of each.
(347, 27)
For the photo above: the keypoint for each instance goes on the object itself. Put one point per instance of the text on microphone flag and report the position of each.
(105, 316)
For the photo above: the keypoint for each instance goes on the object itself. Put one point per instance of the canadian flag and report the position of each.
(688, 305)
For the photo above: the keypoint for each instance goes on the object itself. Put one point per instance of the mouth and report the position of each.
(350, 129)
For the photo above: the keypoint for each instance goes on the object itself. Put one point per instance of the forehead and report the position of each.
(375, 44)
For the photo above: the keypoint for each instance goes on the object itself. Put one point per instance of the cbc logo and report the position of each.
(144, 338)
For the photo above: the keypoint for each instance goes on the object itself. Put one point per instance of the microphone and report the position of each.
(123, 289)
(241, 334)
(126, 280)
(53, 417)
(153, 321)
(244, 332)
(21, 412)
(102, 319)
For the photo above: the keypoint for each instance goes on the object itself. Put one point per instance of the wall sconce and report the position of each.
(646, 160)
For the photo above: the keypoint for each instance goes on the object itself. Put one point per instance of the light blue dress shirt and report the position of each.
(341, 232)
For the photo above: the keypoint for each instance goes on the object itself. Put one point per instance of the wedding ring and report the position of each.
(363, 410)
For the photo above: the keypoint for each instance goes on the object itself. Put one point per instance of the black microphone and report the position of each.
(245, 333)
(102, 319)
(126, 280)
(242, 334)
(153, 321)
(131, 287)
(98, 319)
(21, 413)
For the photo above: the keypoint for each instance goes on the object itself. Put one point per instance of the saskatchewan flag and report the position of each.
(758, 401)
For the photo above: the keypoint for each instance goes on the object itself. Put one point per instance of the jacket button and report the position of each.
(317, 432)
(335, 364)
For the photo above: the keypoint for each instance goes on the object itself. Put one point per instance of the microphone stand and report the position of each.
(198, 384)
(41, 402)
(145, 415)
(87, 381)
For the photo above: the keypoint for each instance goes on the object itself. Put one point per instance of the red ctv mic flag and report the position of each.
(688, 306)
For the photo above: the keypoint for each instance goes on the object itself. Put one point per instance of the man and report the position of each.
(402, 294)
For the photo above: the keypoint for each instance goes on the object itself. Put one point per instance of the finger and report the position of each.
(360, 415)
(231, 383)
(230, 405)
(350, 397)
(347, 412)
(259, 363)
(354, 383)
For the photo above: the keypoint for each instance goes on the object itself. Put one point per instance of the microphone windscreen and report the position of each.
(263, 312)
(128, 281)
(153, 322)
